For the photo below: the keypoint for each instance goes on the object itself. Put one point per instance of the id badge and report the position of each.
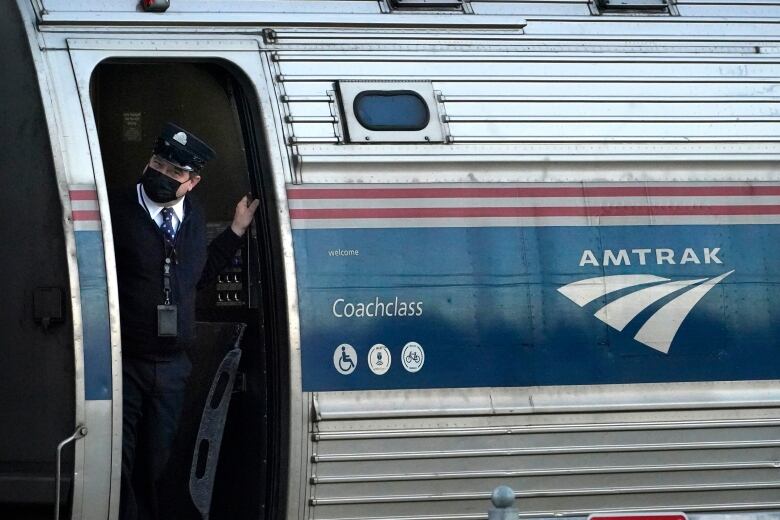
(167, 321)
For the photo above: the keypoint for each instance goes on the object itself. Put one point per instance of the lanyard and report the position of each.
(167, 280)
(170, 253)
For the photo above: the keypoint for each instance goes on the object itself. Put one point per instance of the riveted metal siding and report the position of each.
(608, 103)
(621, 95)
(559, 464)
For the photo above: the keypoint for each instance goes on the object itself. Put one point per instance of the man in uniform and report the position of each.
(162, 258)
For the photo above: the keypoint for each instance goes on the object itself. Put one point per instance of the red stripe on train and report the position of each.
(82, 215)
(595, 211)
(83, 195)
(498, 192)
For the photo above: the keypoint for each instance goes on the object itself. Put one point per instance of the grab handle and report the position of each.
(80, 433)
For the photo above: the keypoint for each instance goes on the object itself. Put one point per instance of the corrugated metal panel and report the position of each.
(559, 464)
(208, 6)
(546, 97)
(687, 8)
(712, 19)
(547, 8)
(542, 8)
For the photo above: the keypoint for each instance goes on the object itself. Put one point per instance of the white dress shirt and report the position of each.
(155, 209)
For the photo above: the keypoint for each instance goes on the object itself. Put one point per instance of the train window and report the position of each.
(427, 5)
(664, 7)
(391, 110)
(382, 112)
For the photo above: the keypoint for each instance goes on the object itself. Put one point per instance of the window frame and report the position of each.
(633, 7)
(462, 6)
(350, 91)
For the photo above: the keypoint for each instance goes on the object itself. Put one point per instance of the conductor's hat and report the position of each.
(183, 148)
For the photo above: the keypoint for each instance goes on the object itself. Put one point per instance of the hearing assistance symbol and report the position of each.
(345, 359)
(379, 359)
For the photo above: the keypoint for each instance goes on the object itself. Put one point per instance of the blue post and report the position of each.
(503, 499)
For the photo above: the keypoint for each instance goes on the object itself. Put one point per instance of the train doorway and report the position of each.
(131, 102)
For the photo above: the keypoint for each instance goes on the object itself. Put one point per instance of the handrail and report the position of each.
(80, 433)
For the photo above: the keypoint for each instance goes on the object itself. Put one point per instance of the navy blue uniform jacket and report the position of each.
(140, 252)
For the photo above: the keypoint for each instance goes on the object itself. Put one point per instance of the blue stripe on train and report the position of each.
(94, 309)
(492, 314)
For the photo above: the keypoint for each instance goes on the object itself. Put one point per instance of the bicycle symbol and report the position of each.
(412, 356)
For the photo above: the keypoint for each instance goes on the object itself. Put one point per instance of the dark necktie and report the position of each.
(167, 226)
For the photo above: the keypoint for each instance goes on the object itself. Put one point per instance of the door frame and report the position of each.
(245, 56)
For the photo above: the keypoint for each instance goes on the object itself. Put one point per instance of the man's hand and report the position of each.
(245, 212)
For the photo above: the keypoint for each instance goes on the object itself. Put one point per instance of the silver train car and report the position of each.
(522, 242)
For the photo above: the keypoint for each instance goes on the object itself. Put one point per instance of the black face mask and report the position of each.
(158, 186)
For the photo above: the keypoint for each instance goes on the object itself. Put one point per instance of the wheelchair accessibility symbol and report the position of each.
(345, 359)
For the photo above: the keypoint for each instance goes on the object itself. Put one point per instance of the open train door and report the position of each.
(216, 90)
(37, 374)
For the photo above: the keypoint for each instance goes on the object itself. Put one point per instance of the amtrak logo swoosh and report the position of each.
(659, 330)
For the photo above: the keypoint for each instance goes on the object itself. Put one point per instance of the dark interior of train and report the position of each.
(131, 102)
